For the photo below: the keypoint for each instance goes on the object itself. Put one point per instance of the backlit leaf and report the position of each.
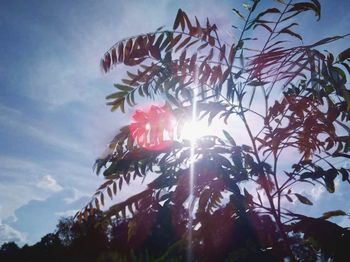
(303, 199)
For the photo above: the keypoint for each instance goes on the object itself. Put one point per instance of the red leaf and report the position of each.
(114, 56)
(127, 49)
(178, 18)
(155, 52)
(121, 52)
(232, 54)
(222, 52)
(173, 42)
(185, 42)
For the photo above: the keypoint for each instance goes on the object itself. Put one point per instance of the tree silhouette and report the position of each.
(215, 198)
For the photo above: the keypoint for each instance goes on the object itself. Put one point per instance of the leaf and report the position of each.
(229, 138)
(289, 198)
(248, 196)
(168, 38)
(109, 192)
(328, 40)
(155, 52)
(124, 88)
(105, 184)
(247, 6)
(289, 26)
(238, 14)
(289, 32)
(120, 183)
(178, 19)
(267, 11)
(159, 40)
(330, 175)
(115, 95)
(257, 83)
(344, 55)
(173, 42)
(114, 188)
(185, 42)
(303, 199)
(305, 6)
(344, 173)
(97, 204)
(265, 26)
(334, 213)
(102, 199)
(259, 197)
(232, 54)
(222, 52)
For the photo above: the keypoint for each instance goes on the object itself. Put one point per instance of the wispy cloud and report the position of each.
(15, 119)
(9, 234)
(22, 180)
(47, 182)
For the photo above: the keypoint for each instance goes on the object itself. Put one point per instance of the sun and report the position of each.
(193, 130)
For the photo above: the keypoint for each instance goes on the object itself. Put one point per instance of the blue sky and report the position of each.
(53, 118)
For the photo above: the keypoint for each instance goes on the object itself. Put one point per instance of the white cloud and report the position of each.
(67, 213)
(9, 234)
(76, 194)
(49, 183)
(17, 183)
(50, 209)
(317, 191)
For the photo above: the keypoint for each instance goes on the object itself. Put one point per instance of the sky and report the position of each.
(53, 119)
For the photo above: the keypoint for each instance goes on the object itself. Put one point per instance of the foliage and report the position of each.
(193, 65)
(73, 241)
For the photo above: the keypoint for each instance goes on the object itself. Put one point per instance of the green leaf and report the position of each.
(238, 13)
(334, 213)
(115, 95)
(303, 199)
(247, 6)
(229, 138)
(123, 87)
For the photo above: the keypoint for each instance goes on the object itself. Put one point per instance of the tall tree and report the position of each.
(214, 197)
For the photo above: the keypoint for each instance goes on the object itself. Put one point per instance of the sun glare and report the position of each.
(192, 130)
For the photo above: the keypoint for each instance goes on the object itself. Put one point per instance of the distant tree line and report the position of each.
(91, 241)
(113, 242)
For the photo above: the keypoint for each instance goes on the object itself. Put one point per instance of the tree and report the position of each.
(216, 198)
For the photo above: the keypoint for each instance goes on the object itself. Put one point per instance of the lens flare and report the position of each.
(193, 130)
